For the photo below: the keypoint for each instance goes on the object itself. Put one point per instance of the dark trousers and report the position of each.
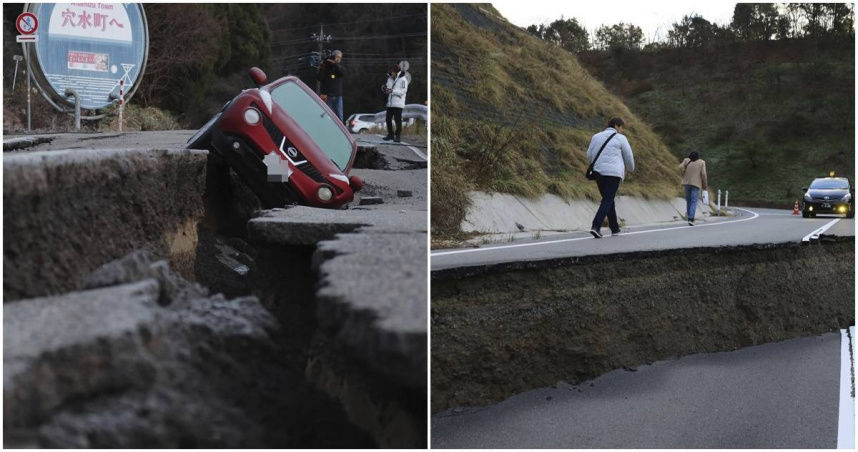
(608, 186)
(394, 114)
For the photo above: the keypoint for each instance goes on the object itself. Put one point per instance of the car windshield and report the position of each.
(830, 184)
(315, 120)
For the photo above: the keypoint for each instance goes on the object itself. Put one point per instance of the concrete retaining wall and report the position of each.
(67, 212)
(501, 213)
(504, 329)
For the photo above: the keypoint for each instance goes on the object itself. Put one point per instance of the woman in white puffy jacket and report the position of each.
(396, 88)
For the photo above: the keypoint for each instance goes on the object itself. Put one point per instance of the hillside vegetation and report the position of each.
(767, 116)
(514, 114)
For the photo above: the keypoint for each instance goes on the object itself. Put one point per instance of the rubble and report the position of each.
(115, 367)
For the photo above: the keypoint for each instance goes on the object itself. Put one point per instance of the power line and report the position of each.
(356, 38)
(349, 62)
(350, 38)
(381, 19)
(299, 55)
(293, 41)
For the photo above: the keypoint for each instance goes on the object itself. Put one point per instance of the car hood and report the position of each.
(833, 195)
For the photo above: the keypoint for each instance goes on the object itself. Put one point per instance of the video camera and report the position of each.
(317, 59)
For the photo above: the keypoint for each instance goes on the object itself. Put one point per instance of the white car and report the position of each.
(365, 123)
(375, 122)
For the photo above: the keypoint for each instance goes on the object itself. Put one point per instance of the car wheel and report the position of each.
(254, 173)
(804, 214)
(850, 214)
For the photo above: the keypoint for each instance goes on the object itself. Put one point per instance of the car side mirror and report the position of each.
(258, 76)
(804, 189)
(356, 183)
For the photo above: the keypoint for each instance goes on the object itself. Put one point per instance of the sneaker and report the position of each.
(397, 140)
(617, 232)
(691, 222)
(595, 234)
(388, 138)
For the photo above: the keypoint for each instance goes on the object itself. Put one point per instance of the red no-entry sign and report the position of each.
(27, 23)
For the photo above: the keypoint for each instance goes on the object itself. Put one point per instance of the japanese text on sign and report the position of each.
(91, 20)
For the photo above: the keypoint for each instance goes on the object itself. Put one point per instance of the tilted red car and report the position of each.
(285, 143)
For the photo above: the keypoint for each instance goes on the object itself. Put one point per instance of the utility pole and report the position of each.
(320, 38)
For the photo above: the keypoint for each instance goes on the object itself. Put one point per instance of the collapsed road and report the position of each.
(150, 303)
(568, 310)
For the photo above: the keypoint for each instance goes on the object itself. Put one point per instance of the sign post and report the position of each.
(27, 23)
(121, 102)
(17, 59)
(29, 91)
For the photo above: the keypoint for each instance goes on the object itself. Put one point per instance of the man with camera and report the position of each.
(331, 77)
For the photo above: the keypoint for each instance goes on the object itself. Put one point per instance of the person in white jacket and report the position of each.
(611, 166)
(396, 88)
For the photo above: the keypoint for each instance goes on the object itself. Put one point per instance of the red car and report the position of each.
(285, 143)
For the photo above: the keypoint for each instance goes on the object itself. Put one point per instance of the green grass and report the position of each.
(513, 114)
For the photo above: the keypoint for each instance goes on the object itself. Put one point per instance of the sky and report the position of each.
(654, 17)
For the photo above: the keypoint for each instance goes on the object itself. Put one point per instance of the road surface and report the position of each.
(748, 226)
(792, 394)
(781, 395)
(412, 148)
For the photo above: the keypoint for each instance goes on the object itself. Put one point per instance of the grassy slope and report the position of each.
(767, 117)
(513, 114)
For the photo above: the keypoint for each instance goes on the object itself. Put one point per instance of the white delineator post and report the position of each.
(719, 201)
(121, 101)
(727, 199)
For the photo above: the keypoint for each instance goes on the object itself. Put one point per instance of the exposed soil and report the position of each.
(500, 330)
(64, 220)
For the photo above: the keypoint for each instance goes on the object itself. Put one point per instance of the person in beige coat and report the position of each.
(693, 179)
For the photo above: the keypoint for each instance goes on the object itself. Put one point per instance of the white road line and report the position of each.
(815, 234)
(419, 154)
(846, 419)
(408, 145)
(551, 242)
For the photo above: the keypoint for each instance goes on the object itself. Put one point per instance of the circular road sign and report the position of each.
(92, 48)
(27, 23)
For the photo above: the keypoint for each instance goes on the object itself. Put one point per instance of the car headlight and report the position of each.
(325, 193)
(251, 116)
(847, 197)
(807, 197)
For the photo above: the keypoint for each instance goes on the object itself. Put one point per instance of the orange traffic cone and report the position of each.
(795, 208)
